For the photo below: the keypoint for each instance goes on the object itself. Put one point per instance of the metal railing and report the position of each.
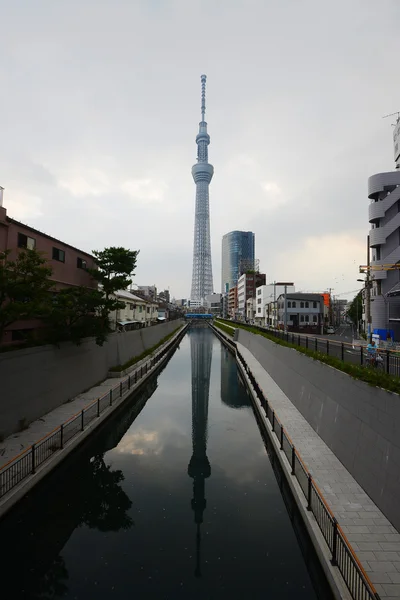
(355, 354)
(342, 554)
(26, 463)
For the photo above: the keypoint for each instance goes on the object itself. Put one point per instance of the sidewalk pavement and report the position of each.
(18, 442)
(373, 538)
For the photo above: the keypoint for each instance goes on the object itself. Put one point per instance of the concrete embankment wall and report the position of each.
(359, 423)
(37, 380)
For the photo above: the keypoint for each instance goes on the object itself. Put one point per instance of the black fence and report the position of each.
(26, 463)
(342, 555)
(355, 354)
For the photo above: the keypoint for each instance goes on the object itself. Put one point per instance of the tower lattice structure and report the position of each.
(202, 172)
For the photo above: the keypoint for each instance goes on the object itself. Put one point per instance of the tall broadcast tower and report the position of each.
(202, 171)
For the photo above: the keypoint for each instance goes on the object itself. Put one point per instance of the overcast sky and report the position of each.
(100, 105)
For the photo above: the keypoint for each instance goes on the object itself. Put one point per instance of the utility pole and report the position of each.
(274, 324)
(285, 326)
(368, 295)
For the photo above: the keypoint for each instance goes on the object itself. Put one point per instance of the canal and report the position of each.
(177, 496)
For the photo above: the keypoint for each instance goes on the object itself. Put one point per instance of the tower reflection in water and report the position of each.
(201, 343)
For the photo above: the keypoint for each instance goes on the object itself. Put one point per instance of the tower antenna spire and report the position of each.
(203, 96)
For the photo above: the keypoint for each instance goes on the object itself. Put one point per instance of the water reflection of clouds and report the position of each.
(153, 442)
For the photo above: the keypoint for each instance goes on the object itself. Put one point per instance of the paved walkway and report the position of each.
(18, 442)
(373, 538)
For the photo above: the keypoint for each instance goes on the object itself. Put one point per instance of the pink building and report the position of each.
(68, 263)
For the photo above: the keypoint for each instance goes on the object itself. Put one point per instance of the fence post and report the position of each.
(135, 376)
(111, 397)
(273, 420)
(298, 340)
(120, 389)
(281, 436)
(33, 459)
(361, 355)
(62, 436)
(82, 419)
(306, 341)
(327, 347)
(129, 382)
(316, 344)
(342, 352)
(98, 407)
(309, 492)
(387, 361)
(334, 542)
(293, 460)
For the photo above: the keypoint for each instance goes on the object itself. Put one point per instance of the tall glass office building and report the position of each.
(237, 248)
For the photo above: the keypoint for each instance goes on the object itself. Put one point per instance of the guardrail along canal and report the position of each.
(174, 498)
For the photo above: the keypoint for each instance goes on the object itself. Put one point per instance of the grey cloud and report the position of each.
(100, 94)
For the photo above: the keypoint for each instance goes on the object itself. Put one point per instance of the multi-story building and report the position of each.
(232, 302)
(250, 310)
(247, 284)
(266, 295)
(304, 312)
(238, 247)
(225, 305)
(148, 291)
(212, 303)
(384, 239)
(137, 312)
(165, 296)
(69, 264)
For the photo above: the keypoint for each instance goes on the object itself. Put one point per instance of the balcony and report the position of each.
(377, 236)
(376, 210)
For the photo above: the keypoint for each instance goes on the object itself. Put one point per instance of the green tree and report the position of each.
(115, 267)
(355, 309)
(75, 314)
(24, 287)
(78, 313)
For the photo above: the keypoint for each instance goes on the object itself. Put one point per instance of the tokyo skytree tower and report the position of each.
(202, 171)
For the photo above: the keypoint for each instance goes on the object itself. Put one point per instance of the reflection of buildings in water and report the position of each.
(233, 392)
(199, 469)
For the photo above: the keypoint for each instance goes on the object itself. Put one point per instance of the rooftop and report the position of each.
(49, 237)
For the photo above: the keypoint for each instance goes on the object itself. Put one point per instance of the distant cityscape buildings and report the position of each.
(202, 172)
(238, 255)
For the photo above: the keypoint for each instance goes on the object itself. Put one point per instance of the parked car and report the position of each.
(330, 330)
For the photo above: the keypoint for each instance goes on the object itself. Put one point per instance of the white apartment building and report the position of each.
(265, 297)
(302, 311)
(136, 313)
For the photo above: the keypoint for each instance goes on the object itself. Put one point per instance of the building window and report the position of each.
(259, 301)
(293, 304)
(289, 305)
(19, 335)
(26, 242)
(80, 263)
(58, 254)
(315, 320)
(301, 304)
(302, 318)
(131, 307)
(140, 308)
(314, 305)
(306, 318)
(307, 305)
(258, 310)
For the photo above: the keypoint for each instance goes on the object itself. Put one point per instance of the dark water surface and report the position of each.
(175, 497)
